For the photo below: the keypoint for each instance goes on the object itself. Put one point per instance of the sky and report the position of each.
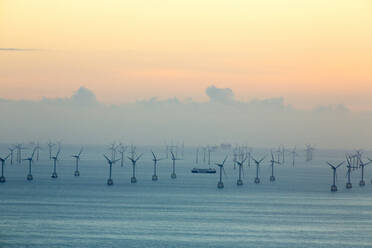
(309, 52)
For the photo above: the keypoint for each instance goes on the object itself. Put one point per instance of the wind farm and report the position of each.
(148, 173)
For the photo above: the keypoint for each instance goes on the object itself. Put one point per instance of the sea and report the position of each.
(297, 210)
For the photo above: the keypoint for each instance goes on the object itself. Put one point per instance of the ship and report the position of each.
(203, 170)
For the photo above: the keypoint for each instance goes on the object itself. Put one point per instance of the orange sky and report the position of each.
(309, 52)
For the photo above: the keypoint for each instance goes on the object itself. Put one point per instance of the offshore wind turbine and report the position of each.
(204, 153)
(362, 165)
(110, 162)
(370, 160)
(294, 154)
(334, 168)
(11, 149)
(273, 161)
(249, 153)
(239, 182)
(155, 177)
(2, 160)
(77, 158)
(19, 147)
(220, 183)
(197, 155)
(50, 147)
(235, 156)
(37, 147)
(173, 175)
(209, 154)
(55, 158)
(113, 148)
(349, 167)
(309, 153)
(257, 179)
(29, 176)
(122, 150)
(134, 160)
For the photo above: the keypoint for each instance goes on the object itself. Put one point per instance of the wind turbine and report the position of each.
(197, 155)
(77, 158)
(122, 150)
(349, 167)
(50, 147)
(134, 161)
(37, 147)
(113, 148)
(19, 147)
(239, 182)
(155, 177)
(309, 153)
(362, 165)
(29, 176)
(209, 155)
(220, 183)
(294, 154)
(11, 149)
(257, 179)
(235, 156)
(2, 178)
(173, 175)
(55, 158)
(204, 153)
(272, 177)
(249, 153)
(110, 162)
(334, 168)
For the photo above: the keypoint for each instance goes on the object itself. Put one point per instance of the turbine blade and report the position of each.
(108, 160)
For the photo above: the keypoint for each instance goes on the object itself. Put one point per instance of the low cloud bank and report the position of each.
(81, 118)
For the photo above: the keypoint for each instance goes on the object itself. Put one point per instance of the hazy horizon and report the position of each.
(82, 119)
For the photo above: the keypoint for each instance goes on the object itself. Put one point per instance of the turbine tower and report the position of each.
(309, 153)
(122, 150)
(2, 160)
(294, 154)
(19, 147)
(257, 179)
(11, 149)
(220, 183)
(134, 161)
(50, 147)
(55, 158)
(29, 176)
(77, 158)
(239, 182)
(362, 183)
(197, 155)
(272, 177)
(113, 148)
(37, 147)
(334, 168)
(349, 167)
(110, 162)
(155, 177)
(173, 175)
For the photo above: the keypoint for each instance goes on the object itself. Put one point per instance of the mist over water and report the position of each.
(82, 119)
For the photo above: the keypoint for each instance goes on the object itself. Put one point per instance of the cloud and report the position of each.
(18, 49)
(333, 108)
(221, 95)
(84, 96)
(81, 118)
